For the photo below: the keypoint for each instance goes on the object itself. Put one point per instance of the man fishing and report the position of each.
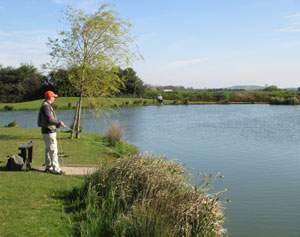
(48, 122)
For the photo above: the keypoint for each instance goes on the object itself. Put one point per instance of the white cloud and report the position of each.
(293, 24)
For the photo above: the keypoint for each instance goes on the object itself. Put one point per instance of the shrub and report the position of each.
(276, 101)
(12, 124)
(293, 101)
(224, 101)
(146, 196)
(145, 102)
(69, 106)
(8, 107)
(185, 101)
(114, 134)
(284, 101)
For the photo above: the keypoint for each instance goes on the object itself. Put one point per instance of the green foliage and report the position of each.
(20, 84)
(271, 88)
(133, 85)
(220, 95)
(60, 80)
(8, 108)
(152, 93)
(185, 101)
(146, 196)
(91, 49)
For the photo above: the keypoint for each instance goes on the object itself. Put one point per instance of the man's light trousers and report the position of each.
(51, 152)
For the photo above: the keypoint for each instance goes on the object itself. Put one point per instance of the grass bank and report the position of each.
(30, 201)
(70, 103)
(117, 102)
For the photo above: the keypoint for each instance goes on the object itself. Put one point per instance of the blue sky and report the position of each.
(198, 43)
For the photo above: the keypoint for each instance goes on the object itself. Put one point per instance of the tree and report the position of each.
(60, 81)
(90, 50)
(20, 84)
(271, 88)
(133, 85)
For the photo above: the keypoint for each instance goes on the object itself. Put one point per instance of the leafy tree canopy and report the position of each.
(133, 85)
(91, 48)
(21, 83)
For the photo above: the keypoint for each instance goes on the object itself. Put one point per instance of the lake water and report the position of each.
(255, 147)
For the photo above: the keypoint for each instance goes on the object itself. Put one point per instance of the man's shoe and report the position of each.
(49, 169)
(60, 172)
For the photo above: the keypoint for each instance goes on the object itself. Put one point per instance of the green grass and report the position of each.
(30, 203)
(70, 102)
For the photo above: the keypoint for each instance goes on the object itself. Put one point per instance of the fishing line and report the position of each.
(61, 152)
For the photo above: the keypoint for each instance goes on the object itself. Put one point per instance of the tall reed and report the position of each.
(147, 196)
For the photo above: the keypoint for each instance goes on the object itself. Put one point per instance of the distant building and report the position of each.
(167, 90)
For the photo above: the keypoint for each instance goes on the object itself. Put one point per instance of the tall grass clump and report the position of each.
(8, 108)
(114, 134)
(12, 124)
(147, 196)
(284, 101)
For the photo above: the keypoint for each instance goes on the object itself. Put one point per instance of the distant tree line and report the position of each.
(26, 83)
(21, 83)
(269, 95)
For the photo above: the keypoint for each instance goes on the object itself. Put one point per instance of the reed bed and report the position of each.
(146, 196)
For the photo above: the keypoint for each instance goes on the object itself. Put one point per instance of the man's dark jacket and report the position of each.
(47, 118)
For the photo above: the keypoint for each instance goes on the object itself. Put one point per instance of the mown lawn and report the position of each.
(29, 201)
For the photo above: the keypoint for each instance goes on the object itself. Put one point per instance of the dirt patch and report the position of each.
(74, 170)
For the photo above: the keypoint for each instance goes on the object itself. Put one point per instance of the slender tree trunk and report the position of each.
(75, 120)
(79, 117)
(76, 128)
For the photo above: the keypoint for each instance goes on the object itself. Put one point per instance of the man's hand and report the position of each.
(61, 124)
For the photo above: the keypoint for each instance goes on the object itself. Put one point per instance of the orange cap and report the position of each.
(49, 94)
